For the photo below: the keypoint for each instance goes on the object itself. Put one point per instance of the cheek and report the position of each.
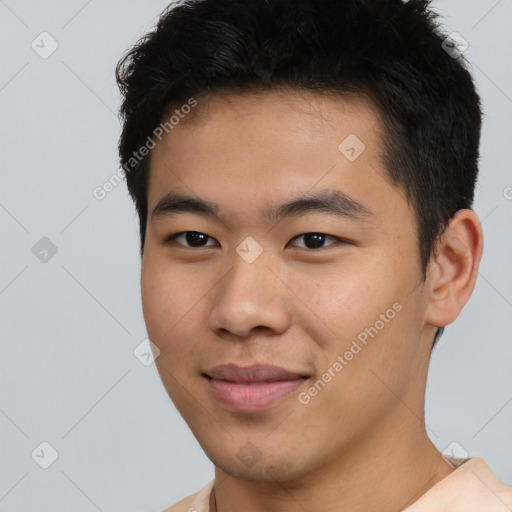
(170, 313)
(155, 299)
(168, 300)
(337, 303)
(363, 307)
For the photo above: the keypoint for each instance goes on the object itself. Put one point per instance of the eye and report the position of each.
(192, 238)
(315, 240)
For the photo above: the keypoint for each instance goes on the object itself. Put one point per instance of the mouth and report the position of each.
(251, 389)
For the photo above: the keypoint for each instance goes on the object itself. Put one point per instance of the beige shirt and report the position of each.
(472, 487)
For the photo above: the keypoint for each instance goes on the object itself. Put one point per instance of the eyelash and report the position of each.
(172, 237)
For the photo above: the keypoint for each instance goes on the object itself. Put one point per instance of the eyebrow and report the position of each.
(327, 201)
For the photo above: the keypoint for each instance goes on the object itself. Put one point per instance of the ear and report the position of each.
(453, 268)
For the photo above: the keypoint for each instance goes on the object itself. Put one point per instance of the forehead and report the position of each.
(293, 114)
(259, 146)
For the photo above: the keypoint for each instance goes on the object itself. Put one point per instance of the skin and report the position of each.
(361, 443)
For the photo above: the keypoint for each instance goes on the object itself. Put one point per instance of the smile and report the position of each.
(252, 396)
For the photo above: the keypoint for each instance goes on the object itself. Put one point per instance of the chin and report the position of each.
(266, 465)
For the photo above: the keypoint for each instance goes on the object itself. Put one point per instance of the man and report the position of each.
(304, 173)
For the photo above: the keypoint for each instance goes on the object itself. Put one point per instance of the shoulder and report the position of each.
(197, 502)
(472, 487)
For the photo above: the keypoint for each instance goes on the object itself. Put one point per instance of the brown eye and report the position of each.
(315, 240)
(191, 239)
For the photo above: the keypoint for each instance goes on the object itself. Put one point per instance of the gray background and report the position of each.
(69, 325)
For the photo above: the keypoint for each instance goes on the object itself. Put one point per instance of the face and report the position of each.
(292, 250)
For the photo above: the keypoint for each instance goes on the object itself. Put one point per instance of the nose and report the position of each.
(250, 297)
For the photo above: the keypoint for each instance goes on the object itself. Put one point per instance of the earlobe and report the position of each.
(453, 268)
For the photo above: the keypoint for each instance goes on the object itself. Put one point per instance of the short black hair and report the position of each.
(391, 51)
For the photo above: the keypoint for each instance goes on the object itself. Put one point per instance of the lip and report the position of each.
(253, 373)
(252, 388)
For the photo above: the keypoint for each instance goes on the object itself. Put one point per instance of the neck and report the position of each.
(370, 477)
